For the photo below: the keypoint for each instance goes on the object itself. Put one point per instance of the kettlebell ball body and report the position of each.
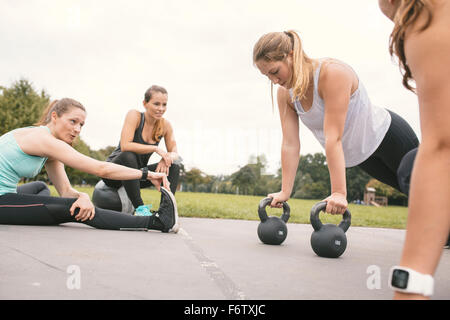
(272, 230)
(328, 240)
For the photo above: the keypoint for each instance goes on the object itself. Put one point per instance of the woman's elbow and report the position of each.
(102, 169)
(333, 140)
(124, 147)
(290, 147)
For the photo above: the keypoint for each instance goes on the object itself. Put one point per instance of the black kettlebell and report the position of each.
(328, 240)
(272, 230)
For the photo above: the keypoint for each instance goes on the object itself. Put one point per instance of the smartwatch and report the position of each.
(144, 174)
(407, 280)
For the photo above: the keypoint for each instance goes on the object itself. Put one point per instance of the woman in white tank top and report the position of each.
(330, 100)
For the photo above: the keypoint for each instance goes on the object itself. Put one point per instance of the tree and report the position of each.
(356, 182)
(20, 105)
(244, 179)
(194, 177)
(312, 180)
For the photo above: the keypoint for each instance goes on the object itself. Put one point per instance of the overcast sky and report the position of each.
(105, 54)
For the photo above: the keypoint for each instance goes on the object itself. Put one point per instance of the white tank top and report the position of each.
(365, 124)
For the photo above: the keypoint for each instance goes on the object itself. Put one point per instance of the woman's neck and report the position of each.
(149, 119)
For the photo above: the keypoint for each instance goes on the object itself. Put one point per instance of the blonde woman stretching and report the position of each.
(421, 41)
(331, 101)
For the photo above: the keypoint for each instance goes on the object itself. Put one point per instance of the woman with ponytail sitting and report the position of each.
(140, 137)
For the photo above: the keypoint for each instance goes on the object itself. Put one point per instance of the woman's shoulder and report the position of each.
(335, 67)
(167, 125)
(133, 113)
(133, 117)
(32, 131)
(334, 71)
(283, 93)
(35, 140)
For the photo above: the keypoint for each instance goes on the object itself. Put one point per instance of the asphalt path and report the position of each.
(208, 259)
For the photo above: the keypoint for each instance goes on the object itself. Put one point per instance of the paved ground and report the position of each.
(208, 259)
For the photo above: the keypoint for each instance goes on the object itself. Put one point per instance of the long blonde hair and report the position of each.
(407, 14)
(276, 46)
(158, 129)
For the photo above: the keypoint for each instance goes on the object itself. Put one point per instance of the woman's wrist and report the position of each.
(79, 195)
(144, 175)
(341, 192)
(286, 193)
(173, 155)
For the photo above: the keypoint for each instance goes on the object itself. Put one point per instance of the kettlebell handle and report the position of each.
(263, 214)
(317, 224)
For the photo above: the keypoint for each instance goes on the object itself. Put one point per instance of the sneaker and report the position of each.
(167, 212)
(143, 210)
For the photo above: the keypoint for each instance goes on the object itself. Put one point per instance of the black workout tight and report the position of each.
(29, 209)
(35, 187)
(384, 162)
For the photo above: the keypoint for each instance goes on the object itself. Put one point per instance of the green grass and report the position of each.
(225, 206)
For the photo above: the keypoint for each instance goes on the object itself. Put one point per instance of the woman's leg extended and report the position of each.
(21, 209)
(132, 187)
(35, 187)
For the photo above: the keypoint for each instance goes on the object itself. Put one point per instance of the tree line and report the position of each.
(21, 105)
(312, 181)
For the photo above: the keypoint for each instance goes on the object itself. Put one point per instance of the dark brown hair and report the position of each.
(60, 107)
(158, 130)
(405, 17)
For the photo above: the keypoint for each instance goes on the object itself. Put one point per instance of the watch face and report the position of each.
(400, 279)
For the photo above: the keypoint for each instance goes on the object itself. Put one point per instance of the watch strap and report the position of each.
(417, 282)
(144, 174)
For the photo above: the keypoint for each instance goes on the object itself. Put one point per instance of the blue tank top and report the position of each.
(16, 164)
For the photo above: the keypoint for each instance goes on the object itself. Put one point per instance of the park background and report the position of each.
(107, 53)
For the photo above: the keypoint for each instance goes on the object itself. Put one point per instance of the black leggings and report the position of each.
(133, 187)
(28, 208)
(384, 162)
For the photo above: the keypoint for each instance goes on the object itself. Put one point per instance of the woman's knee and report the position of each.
(127, 158)
(40, 185)
(35, 187)
(44, 190)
